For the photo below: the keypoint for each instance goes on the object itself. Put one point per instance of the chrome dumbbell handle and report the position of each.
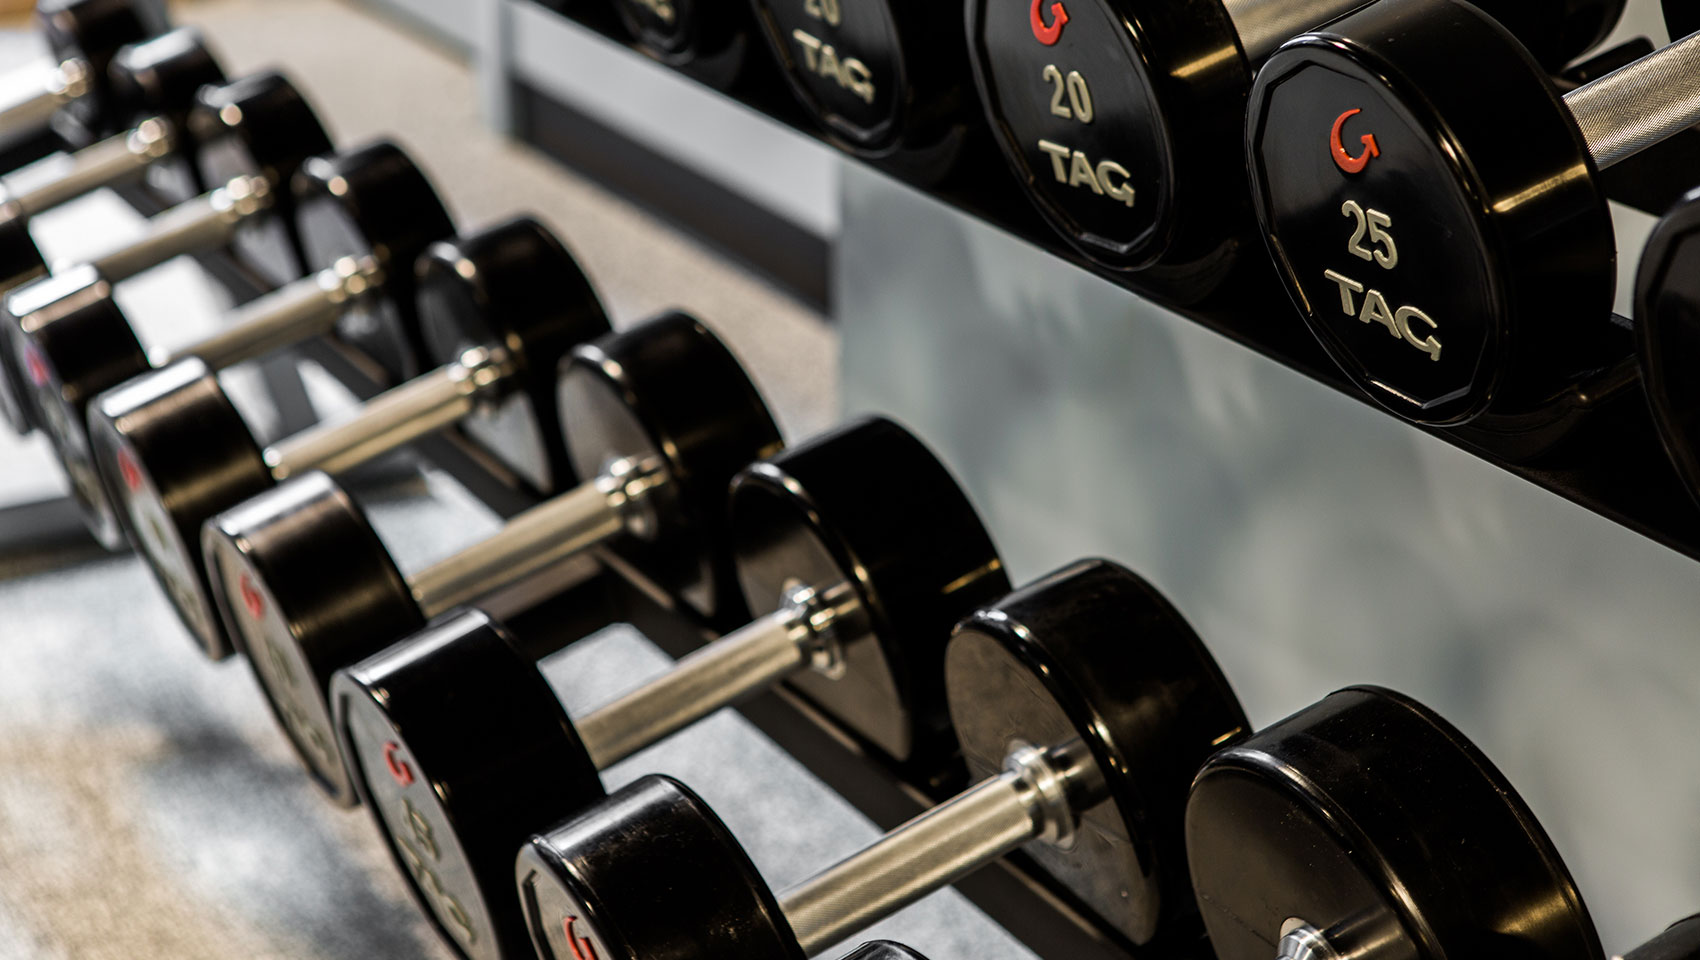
(1639, 104)
(32, 106)
(286, 316)
(202, 223)
(110, 161)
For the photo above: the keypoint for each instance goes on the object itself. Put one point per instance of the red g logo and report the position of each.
(399, 768)
(582, 947)
(1337, 150)
(1047, 35)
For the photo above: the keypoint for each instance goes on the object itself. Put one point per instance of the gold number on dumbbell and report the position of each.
(1074, 88)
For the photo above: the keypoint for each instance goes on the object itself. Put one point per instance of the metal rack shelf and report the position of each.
(1595, 445)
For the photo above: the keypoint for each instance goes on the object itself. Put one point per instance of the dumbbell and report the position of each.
(1366, 826)
(1451, 248)
(858, 550)
(656, 420)
(157, 81)
(83, 36)
(883, 950)
(1084, 701)
(1667, 330)
(1124, 119)
(499, 309)
(253, 134)
(885, 79)
(707, 39)
(384, 208)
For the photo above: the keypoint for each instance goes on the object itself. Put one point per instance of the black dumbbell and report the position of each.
(656, 420)
(887, 80)
(707, 39)
(254, 134)
(1125, 119)
(1450, 248)
(1667, 332)
(859, 553)
(1366, 826)
(82, 36)
(1084, 700)
(87, 346)
(498, 309)
(158, 81)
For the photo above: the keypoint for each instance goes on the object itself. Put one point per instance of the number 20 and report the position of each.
(1075, 88)
(828, 10)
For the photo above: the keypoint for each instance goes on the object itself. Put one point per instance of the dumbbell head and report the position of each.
(345, 199)
(1402, 208)
(668, 393)
(870, 507)
(693, 35)
(260, 125)
(1089, 661)
(163, 78)
(879, 76)
(175, 452)
(1667, 333)
(1125, 118)
(1094, 651)
(514, 286)
(1367, 825)
(864, 506)
(282, 564)
(95, 31)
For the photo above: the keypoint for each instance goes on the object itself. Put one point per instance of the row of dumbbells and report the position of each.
(1452, 251)
(1104, 740)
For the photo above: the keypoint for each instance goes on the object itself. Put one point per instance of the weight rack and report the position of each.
(1598, 449)
(1023, 901)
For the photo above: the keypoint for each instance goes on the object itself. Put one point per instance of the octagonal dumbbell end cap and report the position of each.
(1093, 651)
(1457, 314)
(1667, 333)
(463, 784)
(513, 286)
(374, 201)
(868, 505)
(305, 588)
(163, 77)
(669, 393)
(174, 452)
(1366, 817)
(652, 849)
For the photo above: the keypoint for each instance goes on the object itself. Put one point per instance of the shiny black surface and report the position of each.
(1375, 821)
(1680, 942)
(373, 200)
(174, 452)
(71, 342)
(884, 78)
(1462, 312)
(162, 78)
(883, 950)
(649, 872)
(867, 505)
(1093, 652)
(1667, 333)
(260, 125)
(305, 587)
(668, 392)
(94, 30)
(707, 39)
(460, 750)
(516, 288)
(1166, 84)
(21, 262)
